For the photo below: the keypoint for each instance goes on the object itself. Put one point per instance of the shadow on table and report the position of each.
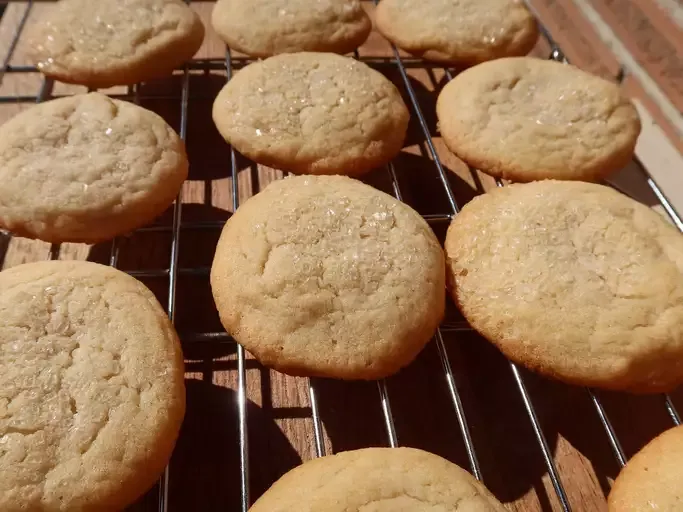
(205, 468)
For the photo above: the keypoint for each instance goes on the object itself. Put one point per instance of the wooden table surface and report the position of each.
(205, 472)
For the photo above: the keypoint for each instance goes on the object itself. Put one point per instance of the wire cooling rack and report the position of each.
(396, 63)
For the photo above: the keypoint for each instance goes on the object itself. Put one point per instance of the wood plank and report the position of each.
(577, 37)
(615, 31)
(654, 41)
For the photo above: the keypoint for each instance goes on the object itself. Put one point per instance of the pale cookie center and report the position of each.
(93, 32)
(324, 100)
(545, 101)
(61, 376)
(334, 248)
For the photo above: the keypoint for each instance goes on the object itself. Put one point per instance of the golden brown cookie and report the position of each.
(464, 32)
(528, 119)
(101, 43)
(653, 479)
(91, 388)
(327, 276)
(312, 113)
(86, 168)
(378, 480)
(575, 281)
(262, 28)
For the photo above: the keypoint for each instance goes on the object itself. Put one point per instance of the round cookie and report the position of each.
(526, 119)
(464, 32)
(91, 388)
(312, 113)
(378, 480)
(326, 276)
(573, 280)
(262, 28)
(87, 168)
(114, 42)
(653, 478)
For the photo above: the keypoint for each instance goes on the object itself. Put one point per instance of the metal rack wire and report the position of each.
(401, 65)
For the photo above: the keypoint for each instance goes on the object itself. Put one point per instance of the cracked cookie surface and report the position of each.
(652, 478)
(324, 275)
(378, 480)
(573, 280)
(462, 32)
(87, 168)
(312, 113)
(262, 28)
(114, 42)
(528, 119)
(91, 388)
